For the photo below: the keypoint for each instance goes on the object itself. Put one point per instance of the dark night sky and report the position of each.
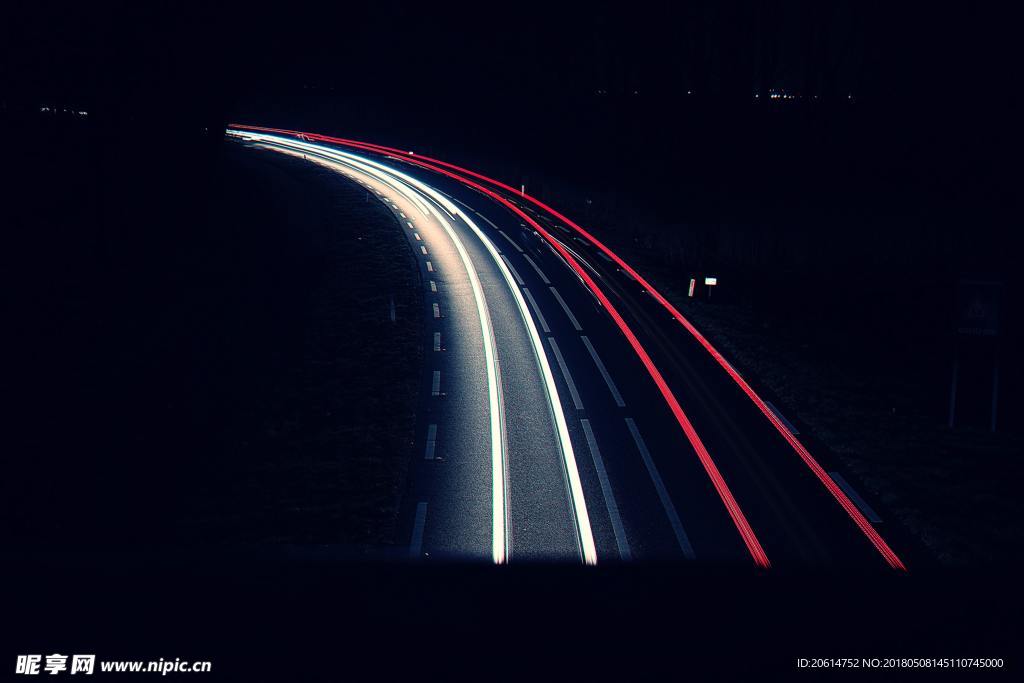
(726, 49)
(935, 86)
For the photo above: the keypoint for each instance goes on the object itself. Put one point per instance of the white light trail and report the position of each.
(404, 184)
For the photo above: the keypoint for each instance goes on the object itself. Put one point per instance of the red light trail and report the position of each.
(749, 538)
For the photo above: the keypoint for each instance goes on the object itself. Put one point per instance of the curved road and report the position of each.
(604, 427)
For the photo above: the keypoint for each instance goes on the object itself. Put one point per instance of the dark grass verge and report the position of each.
(323, 457)
(956, 491)
(199, 348)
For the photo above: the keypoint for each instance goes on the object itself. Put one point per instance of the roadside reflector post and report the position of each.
(693, 283)
(977, 327)
(710, 282)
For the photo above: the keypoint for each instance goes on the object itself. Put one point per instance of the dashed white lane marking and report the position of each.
(488, 220)
(437, 310)
(604, 256)
(433, 286)
(437, 341)
(565, 307)
(430, 266)
(411, 226)
(428, 453)
(435, 386)
(792, 430)
(609, 496)
(536, 310)
(604, 373)
(565, 373)
(423, 249)
(417, 236)
(401, 214)
(511, 241)
(514, 271)
(419, 522)
(852, 494)
(659, 485)
(543, 277)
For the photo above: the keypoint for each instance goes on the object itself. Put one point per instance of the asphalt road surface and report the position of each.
(570, 413)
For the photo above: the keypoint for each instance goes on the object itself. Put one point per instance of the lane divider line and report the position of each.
(543, 277)
(775, 411)
(536, 311)
(604, 373)
(511, 241)
(428, 452)
(435, 385)
(515, 272)
(577, 403)
(666, 501)
(868, 511)
(419, 523)
(621, 542)
(565, 307)
(489, 221)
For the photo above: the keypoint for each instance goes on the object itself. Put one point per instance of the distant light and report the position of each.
(689, 92)
(711, 281)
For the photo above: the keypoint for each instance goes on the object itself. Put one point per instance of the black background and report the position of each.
(933, 127)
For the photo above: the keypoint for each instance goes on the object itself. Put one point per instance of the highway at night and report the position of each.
(570, 412)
